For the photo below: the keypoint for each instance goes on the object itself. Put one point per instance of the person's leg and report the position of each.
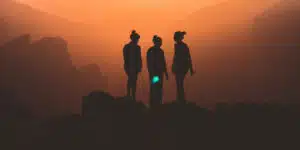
(151, 91)
(156, 89)
(133, 87)
(151, 96)
(177, 88)
(180, 88)
(160, 89)
(155, 92)
(128, 86)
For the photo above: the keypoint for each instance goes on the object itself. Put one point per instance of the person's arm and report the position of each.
(140, 59)
(190, 60)
(165, 65)
(125, 56)
(175, 54)
(149, 62)
(174, 59)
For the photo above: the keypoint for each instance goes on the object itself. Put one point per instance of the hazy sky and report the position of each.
(90, 9)
(187, 4)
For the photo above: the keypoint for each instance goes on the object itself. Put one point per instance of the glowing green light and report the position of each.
(155, 79)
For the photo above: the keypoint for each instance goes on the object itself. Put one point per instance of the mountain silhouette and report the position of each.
(278, 25)
(42, 76)
(22, 19)
(228, 21)
(4, 31)
(93, 77)
(276, 37)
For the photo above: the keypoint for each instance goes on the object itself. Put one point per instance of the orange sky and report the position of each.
(118, 17)
(98, 9)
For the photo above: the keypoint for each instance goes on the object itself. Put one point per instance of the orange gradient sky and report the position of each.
(100, 9)
(115, 18)
(147, 16)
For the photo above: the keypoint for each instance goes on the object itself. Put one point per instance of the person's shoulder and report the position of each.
(179, 45)
(161, 51)
(185, 45)
(150, 50)
(126, 46)
(182, 44)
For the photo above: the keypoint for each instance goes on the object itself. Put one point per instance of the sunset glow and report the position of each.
(118, 9)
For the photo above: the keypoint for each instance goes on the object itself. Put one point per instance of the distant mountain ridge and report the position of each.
(42, 75)
(24, 19)
(230, 19)
(17, 19)
(279, 25)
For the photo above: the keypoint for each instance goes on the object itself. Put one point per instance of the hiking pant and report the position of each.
(156, 91)
(131, 85)
(180, 87)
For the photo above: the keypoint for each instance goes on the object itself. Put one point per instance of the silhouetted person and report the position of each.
(182, 63)
(132, 63)
(156, 64)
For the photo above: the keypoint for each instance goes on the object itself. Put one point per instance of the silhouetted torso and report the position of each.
(182, 59)
(132, 58)
(156, 61)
